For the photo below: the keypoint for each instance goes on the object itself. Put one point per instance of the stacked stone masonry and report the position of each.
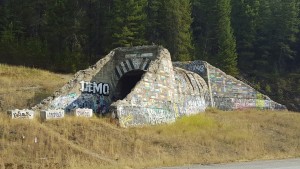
(227, 92)
(141, 86)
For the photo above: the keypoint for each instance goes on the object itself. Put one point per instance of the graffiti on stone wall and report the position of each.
(62, 102)
(96, 102)
(191, 94)
(83, 101)
(126, 120)
(227, 103)
(99, 88)
(163, 93)
(84, 112)
(230, 93)
(21, 114)
(70, 102)
(191, 105)
(52, 114)
(241, 103)
(132, 116)
(154, 89)
(139, 55)
(197, 67)
(223, 103)
(231, 103)
(160, 111)
(260, 102)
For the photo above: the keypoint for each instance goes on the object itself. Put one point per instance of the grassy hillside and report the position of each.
(22, 87)
(211, 137)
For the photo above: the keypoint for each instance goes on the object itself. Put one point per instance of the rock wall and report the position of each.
(227, 92)
(162, 95)
(97, 87)
(191, 92)
(70, 97)
(138, 85)
(141, 86)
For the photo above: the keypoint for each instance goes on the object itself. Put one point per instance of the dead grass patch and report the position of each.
(211, 137)
(23, 87)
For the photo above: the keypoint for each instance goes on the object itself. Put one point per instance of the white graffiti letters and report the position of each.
(21, 114)
(84, 112)
(52, 114)
(101, 88)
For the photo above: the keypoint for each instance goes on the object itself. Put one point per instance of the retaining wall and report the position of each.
(141, 86)
(227, 92)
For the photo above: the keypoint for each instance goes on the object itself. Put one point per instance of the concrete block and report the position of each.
(21, 114)
(84, 113)
(52, 114)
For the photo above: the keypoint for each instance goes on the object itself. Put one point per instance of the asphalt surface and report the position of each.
(274, 164)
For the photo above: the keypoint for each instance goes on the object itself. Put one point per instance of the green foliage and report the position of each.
(128, 26)
(169, 24)
(226, 40)
(213, 34)
(245, 22)
(268, 88)
(177, 27)
(266, 34)
(154, 27)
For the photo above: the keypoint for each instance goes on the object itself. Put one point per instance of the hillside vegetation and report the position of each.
(211, 137)
(22, 87)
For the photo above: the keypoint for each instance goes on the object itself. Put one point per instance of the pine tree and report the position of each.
(173, 25)
(184, 41)
(285, 29)
(155, 14)
(96, 26)
(64, 34)
(244, 22)
(199, 25)
(214, 35)
(276, 37)
(227, 44)
(4, 18)
(128, 23)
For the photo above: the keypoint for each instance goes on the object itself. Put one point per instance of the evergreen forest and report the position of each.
(257, 41)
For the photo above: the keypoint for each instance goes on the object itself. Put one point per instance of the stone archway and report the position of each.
(127, 82)
(128, 73)
(132, 64)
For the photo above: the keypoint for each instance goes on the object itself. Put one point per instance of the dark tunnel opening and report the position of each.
(127, 83)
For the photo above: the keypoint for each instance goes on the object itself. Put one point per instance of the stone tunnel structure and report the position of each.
(141, 86)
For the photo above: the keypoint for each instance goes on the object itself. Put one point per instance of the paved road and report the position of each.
(276, 164)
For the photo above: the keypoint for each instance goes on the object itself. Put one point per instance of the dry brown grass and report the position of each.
(211, 137)
(22, 87)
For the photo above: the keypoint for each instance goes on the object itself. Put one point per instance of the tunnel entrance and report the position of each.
(127, 83)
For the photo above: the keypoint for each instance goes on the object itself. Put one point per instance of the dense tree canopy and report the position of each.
(254, 39)
(258, 40)
(253, 36)
(214, 35)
